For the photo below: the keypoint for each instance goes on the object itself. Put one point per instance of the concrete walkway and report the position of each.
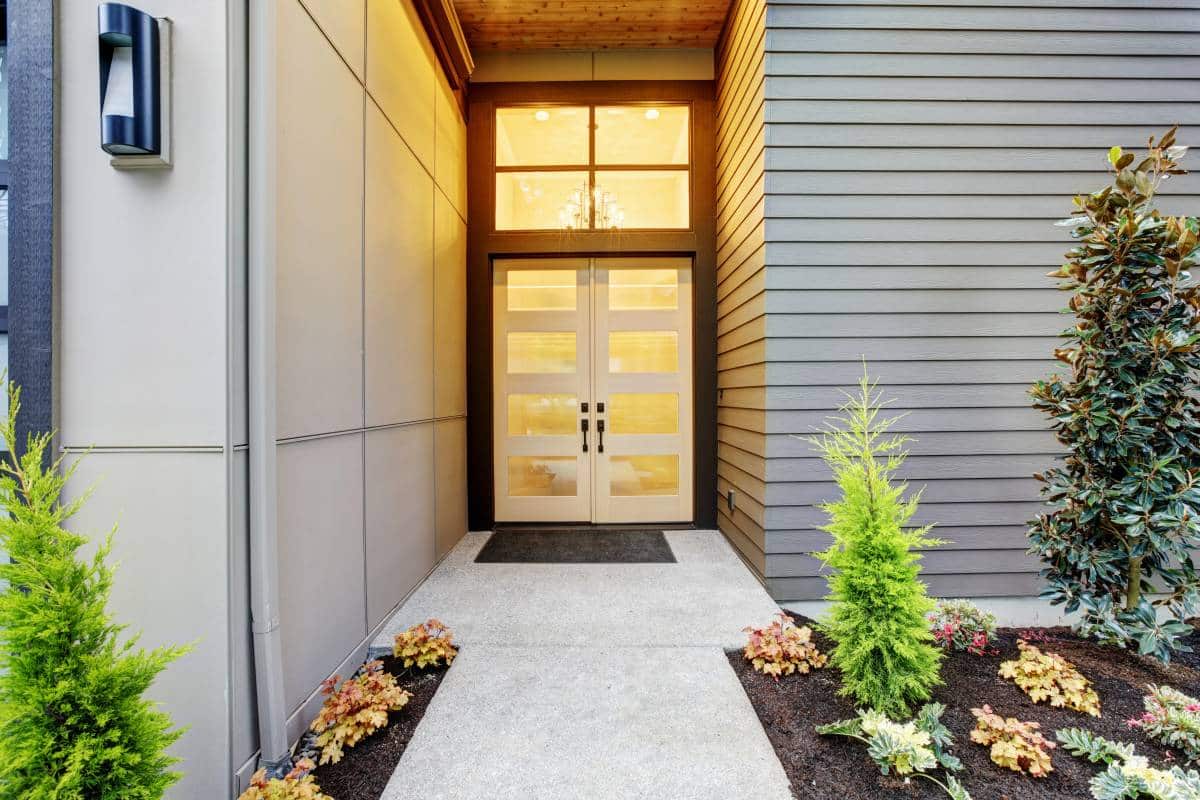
(602, 681)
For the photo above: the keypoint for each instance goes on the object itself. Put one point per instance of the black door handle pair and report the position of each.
(583, 426)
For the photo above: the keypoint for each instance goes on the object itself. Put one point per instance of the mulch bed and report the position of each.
(365, 769)
(836, 768)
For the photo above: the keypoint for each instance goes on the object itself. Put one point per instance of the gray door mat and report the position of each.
(576, 546)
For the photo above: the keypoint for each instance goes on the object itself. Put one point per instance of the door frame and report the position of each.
(484, 244)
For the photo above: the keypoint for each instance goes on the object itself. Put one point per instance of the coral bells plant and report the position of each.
(428, 644)
(1016, 745)
(1171, 719)
(74, 722)
(296, 785)
(1049, 676)
(782, 648)
(356, 709)
(1125, 500)
(882, 644)
(1128, 776)
(912, 748)
(961, 625)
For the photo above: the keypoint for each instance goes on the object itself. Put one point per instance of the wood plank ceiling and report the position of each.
(590, 24)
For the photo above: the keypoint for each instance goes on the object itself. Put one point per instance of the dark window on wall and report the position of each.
(3, 185)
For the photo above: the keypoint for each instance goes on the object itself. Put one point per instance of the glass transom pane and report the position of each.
(645, 198)
(643, 351)
(643, 289)
(542, 414)
(643, 413)
(642, 135)
(541, 352)
(541, 290)
(527, 201)
(542, 476)
(643, 476)
(542, 137)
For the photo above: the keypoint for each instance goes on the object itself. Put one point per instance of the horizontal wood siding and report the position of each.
(742, 283)
(916, 155)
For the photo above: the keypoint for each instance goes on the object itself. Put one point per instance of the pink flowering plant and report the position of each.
(960, 625)
(1172, 719)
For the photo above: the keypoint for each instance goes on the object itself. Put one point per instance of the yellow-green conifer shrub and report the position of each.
(74, 724)
(884, 649)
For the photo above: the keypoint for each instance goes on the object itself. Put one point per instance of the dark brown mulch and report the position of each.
(365, 769)
(1192, 659)
(837, 768)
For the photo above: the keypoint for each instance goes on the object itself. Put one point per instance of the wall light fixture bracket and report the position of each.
(135, 86)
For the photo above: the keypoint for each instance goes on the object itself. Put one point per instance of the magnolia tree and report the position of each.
(1125, 500)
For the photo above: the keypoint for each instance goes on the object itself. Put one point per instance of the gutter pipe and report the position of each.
(275, 755)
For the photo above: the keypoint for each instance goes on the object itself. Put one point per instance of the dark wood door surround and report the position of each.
(484, 244)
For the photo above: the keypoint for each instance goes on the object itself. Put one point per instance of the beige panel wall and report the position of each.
(143, 375)
(370, 326)
(741, 277)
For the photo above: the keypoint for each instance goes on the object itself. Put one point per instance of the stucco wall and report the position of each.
(143, 277)
(370, 330)
(371, 348)
(917, 155)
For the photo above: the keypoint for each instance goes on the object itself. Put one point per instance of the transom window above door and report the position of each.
(599, 167)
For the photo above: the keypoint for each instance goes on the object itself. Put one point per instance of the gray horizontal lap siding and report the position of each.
(741, 282)
(916, 157)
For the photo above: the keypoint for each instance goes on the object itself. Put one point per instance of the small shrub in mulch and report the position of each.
(365, 770)
(824, 768)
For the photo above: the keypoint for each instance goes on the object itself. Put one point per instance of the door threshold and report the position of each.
(593, 526)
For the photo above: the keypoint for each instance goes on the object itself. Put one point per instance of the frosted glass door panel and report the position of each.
(542, 414)
(643, 351)
(541, 367)
(541, 290)
(642, 289)
(643, 413)
(543, 476)
(643, 376)
(534, 352)
(644, 476)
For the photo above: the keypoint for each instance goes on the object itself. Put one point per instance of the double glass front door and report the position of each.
(592, 361)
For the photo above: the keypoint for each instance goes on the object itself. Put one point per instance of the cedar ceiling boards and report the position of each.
(590, 25)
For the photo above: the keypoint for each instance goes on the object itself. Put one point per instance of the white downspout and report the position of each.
(264, 540)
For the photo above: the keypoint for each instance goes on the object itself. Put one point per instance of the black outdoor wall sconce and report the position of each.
(135, 80)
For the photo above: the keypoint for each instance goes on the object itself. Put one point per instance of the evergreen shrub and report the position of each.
(74, 721)
(883, 646)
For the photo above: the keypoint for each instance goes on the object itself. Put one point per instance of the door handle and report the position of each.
(600, 431)
(583, 426)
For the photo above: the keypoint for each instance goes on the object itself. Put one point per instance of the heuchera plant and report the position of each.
(912, 748)
(882, 644)
(428, 644)
(782, 648)
(1128, 775)
(356, 709)
(296, 785)
(1017, 745)
(961, 625)
(1172, 719)
(1049, 676)
(1126, 498)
